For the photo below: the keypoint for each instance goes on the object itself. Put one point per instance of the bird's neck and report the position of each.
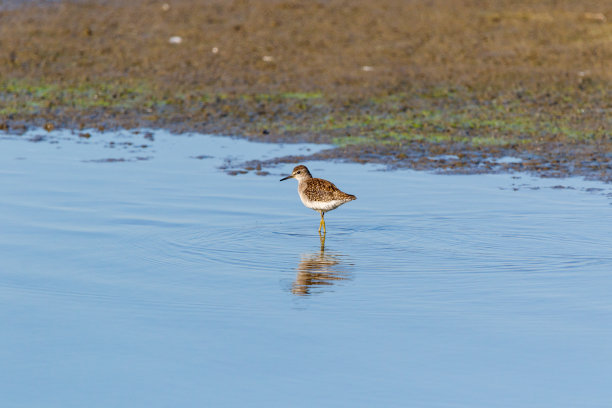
(304, 177)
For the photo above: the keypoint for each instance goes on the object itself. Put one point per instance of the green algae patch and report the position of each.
(28, 96)
(477, 125)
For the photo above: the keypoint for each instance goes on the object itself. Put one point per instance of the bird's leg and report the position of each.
(322, 223)
(323, 220)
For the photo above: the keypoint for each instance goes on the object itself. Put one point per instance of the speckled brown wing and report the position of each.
(323, 190)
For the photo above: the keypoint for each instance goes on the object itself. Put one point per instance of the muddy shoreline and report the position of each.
(442, 85)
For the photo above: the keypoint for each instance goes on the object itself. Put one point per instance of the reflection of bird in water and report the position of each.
(317, 270)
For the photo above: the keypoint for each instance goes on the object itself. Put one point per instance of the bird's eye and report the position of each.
(298, 172)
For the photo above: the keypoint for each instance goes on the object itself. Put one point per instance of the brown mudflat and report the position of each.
(407, 83)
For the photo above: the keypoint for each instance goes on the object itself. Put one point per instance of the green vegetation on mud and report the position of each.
(430, 116)
(26, 97)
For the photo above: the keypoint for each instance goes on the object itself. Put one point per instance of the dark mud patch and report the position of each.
(37, 138)
(117, 160)
(458, 160)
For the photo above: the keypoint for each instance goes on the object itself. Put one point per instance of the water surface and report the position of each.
(135, 272)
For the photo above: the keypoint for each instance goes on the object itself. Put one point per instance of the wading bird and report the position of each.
(318, 194)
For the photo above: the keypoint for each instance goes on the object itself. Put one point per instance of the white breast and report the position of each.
(321, 205)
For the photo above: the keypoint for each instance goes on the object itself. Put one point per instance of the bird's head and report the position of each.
(300, 173)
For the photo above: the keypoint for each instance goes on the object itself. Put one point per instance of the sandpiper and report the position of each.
(318, 194)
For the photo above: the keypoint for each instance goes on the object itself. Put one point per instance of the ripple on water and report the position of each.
(301, 261)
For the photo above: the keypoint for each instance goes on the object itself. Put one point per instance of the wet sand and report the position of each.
(428, 85)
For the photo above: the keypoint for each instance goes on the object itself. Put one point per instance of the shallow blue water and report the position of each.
(161, 281)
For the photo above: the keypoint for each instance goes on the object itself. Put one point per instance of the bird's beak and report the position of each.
(285, 178)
